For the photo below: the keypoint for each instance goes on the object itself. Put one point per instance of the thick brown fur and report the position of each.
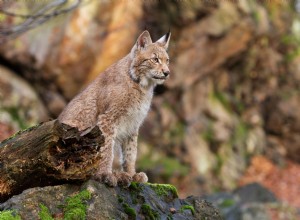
(118, 101)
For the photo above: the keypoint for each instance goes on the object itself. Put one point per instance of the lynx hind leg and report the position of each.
(104, 173)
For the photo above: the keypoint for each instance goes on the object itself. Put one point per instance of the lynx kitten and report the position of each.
(118, 101)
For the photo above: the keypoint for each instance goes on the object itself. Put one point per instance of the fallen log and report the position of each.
(47, 154)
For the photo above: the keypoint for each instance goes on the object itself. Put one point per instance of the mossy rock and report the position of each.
(93, 200)
(188, 207)
(9, 215)
(75, 207)
(129, 211)
(149, 213)
(164, 189)
(45, 214)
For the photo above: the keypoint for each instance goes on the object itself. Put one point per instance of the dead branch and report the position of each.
(30, 21)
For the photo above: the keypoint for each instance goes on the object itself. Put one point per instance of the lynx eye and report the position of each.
(155, 60)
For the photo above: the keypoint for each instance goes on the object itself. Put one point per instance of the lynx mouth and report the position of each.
(159, 77)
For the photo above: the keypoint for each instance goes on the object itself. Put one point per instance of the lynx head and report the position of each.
(150, 60)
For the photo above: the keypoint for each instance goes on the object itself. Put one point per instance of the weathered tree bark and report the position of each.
(47, 154)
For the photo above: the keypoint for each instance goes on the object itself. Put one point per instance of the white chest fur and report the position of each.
(131, 121)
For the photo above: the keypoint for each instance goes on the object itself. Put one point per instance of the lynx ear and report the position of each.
(164, 40)
(143, 40)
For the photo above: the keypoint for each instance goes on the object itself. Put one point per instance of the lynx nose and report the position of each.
(166, 73)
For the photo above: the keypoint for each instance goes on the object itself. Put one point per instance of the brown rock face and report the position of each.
(78, 46)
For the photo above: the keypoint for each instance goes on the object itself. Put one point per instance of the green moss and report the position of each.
(2, 17)
(135, 189)
(227, 203)
(223, 98)
(129, 211)
(134, 199)
(292, 41)
(240, 133)
(177, 131)
(208, 135)
(149, 213)
(9, 215)
(169, 166)
(188, 207)
(289, 39)
(134, 186)
(219, 164)
(120, 199)
(44, 213)
(172, 164)
(14, 113)
(76, 207)
(170, 217)
(164, 189)
(229, 102)
(256, 17)
(292, 55)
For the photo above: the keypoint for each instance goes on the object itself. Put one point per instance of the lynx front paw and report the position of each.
(107, 178)
(140, 177)
(124, 179)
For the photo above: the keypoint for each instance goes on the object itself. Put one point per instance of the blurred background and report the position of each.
(228, 116)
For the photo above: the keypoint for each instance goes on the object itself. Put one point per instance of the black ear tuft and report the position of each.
(168, 35)
(164, 40)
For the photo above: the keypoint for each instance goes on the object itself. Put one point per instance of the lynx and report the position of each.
(118, 101)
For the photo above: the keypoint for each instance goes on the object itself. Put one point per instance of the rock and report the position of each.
(254, 211)
(55, 102)
(122, 30)
(201, 157)
(97, 201)
(68, 53)
(283, 121)
(295, 68)
(254, 193)
(208, 52)
(251, 201)
(20, 106)
(222, 20)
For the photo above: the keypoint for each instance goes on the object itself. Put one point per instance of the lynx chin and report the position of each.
(118, 101)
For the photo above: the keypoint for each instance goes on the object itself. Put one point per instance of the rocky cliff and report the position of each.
(233, 91)
(92, 200)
